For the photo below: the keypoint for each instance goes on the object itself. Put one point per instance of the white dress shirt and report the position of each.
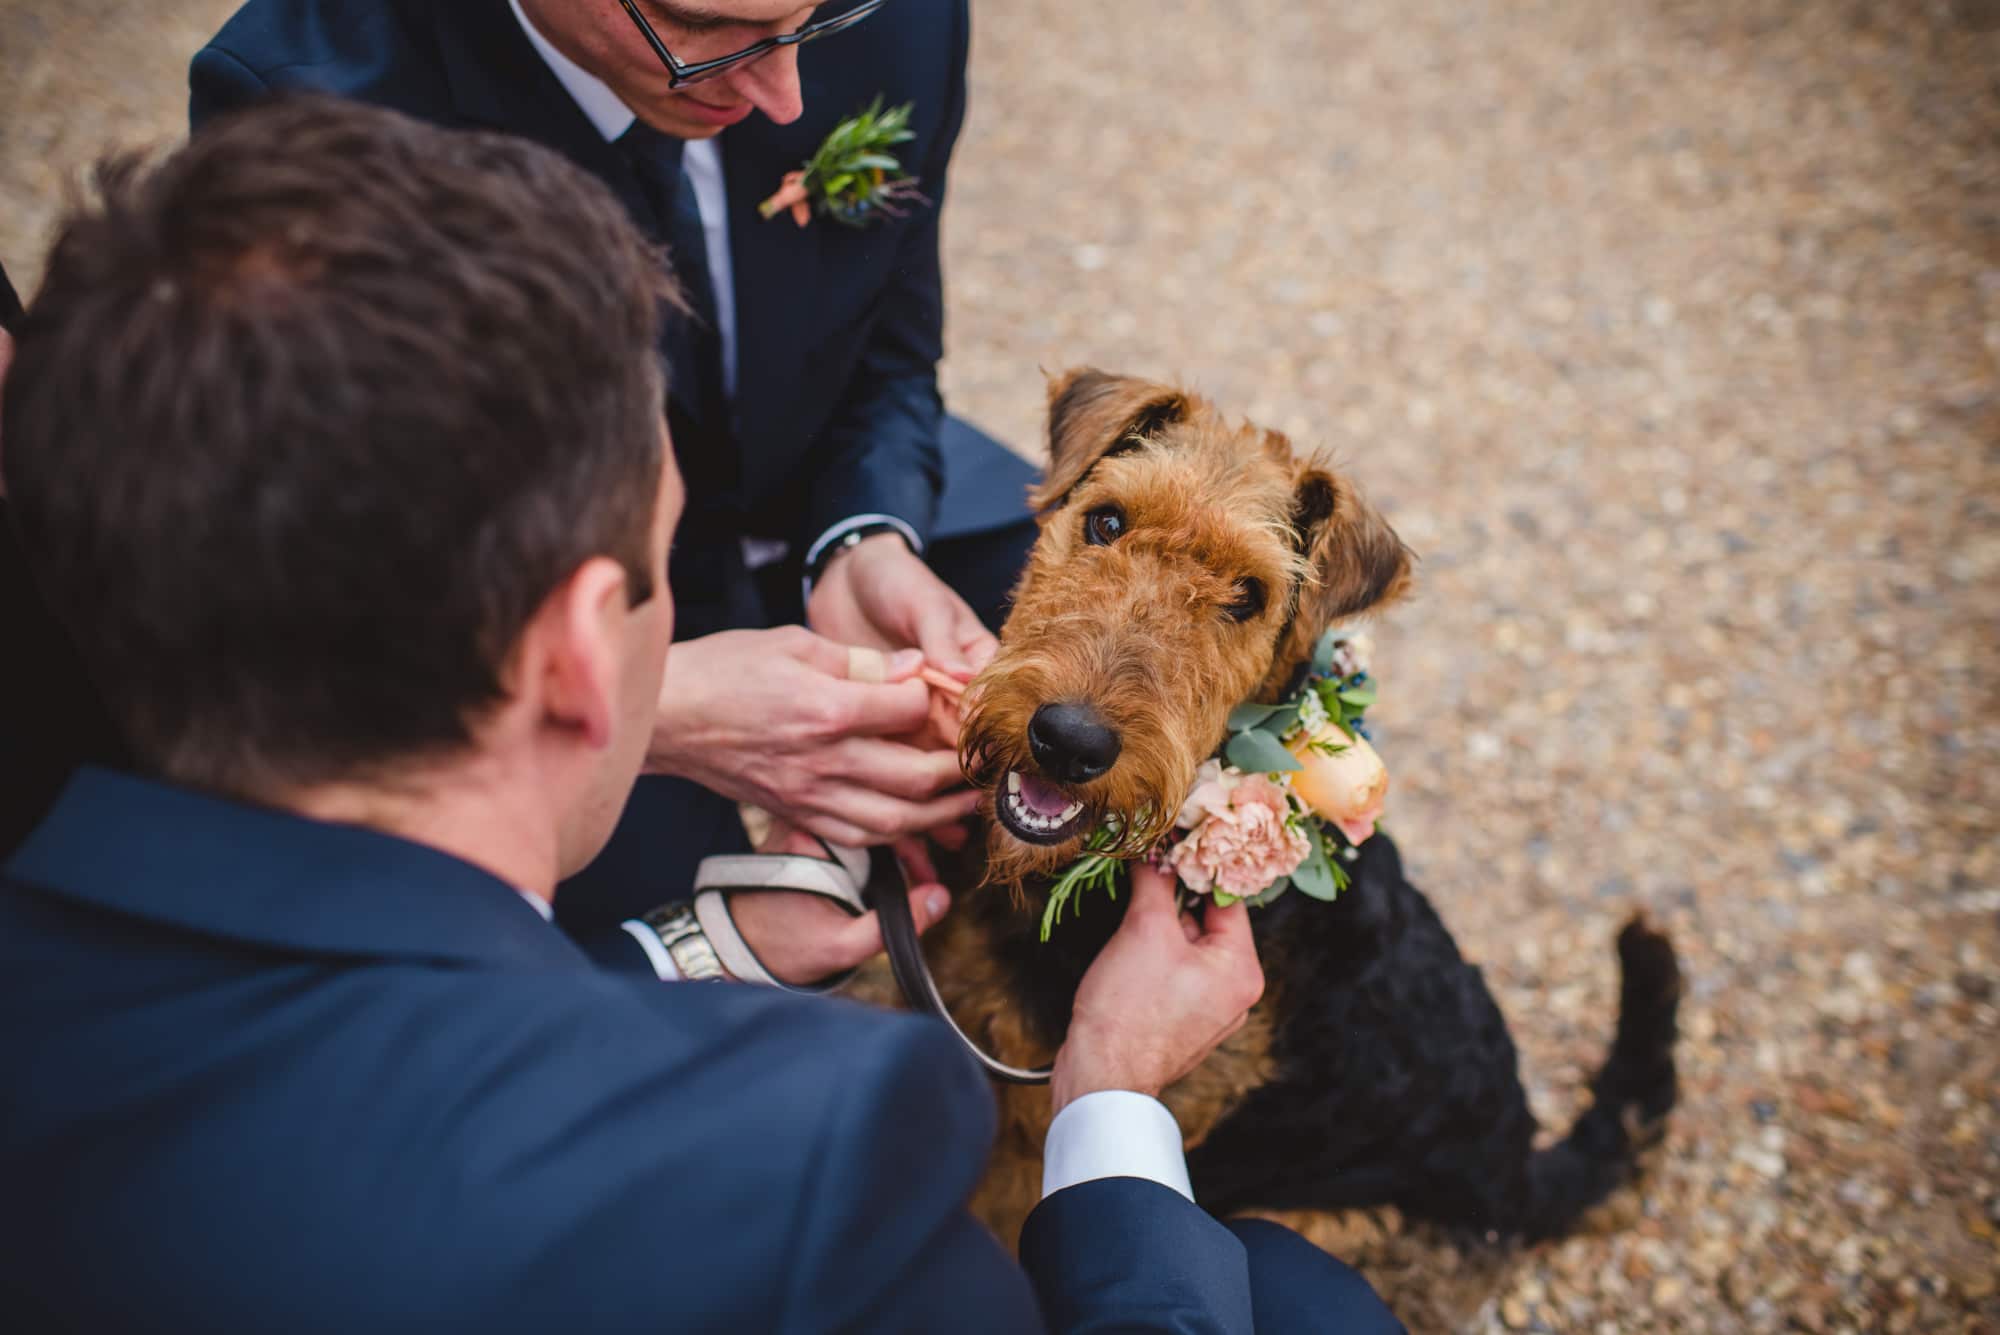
(701, 160)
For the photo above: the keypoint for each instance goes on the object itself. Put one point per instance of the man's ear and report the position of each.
(1093, 415)
(572, 655)
(1354, 561)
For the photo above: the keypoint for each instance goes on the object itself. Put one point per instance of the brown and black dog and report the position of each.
(1187, 564)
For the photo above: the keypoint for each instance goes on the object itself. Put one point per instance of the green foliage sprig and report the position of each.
(1097, 869)
(853, 177)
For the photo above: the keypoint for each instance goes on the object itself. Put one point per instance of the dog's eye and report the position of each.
(1103, 526)
(1249, 600)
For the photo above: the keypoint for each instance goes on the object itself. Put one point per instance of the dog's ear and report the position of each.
(1355, 562)
(1093, 415)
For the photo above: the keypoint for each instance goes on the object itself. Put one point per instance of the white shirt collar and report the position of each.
(606, 110)
(540, 905)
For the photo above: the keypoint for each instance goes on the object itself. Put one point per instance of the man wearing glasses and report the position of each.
(826, 483)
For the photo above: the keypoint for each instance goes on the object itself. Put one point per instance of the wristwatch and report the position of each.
(686, 944)
(845, 543)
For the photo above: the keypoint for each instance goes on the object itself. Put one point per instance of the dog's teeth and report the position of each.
(1027, 817)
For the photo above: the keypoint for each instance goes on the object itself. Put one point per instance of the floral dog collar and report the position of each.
(1295, 790)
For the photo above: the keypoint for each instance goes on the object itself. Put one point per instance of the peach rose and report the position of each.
(1347, 787)
(1245, 844)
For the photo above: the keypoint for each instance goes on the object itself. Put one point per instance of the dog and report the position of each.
(1185, 565)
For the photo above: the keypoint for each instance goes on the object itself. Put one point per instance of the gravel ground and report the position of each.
(1666, 331)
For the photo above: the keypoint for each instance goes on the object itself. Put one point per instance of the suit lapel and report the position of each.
(500, 82)
(775, 267)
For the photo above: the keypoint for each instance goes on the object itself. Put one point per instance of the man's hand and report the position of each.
(1160, 996)
(770, 717)
(803, 938)
(882, 594)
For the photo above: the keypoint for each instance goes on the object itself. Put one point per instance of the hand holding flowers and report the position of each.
(1165, 990)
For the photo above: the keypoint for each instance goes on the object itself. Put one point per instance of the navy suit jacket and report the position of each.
(265, 1073)
(837, 411)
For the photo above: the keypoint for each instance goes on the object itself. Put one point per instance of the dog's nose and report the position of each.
(1071, 743)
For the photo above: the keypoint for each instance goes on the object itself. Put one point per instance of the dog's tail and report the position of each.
(1631, 1096)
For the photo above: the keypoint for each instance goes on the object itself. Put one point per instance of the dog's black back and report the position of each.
(1396, 1080)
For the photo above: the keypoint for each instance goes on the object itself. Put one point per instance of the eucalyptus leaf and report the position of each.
(1314, 876)
(1247, 716)
(1259, 753)
(1270, 893)
(1281, 722)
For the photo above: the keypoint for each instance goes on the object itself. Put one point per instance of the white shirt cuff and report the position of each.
(1114, 1133)
(649, 941)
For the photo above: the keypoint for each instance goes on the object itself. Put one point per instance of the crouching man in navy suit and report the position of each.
(335, 440)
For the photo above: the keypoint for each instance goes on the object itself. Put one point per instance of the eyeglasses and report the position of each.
(703, 70)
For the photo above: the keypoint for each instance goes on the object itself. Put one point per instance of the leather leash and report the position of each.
(888, 893)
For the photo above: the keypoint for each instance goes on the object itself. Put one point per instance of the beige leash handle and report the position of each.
(838, 878)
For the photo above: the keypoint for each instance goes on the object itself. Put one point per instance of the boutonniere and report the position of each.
(1295, 791)
(852, 177)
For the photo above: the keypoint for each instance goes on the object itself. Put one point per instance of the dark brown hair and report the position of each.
(309, 418)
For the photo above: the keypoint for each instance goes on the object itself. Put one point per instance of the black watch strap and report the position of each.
(845, 543)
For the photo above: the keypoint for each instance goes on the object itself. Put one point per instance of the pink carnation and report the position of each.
(1244, 846)
(1212, 786)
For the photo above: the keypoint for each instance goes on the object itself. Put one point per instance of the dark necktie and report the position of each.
(692, 346)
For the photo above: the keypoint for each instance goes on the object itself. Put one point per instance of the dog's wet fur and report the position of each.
(1377, 1070)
